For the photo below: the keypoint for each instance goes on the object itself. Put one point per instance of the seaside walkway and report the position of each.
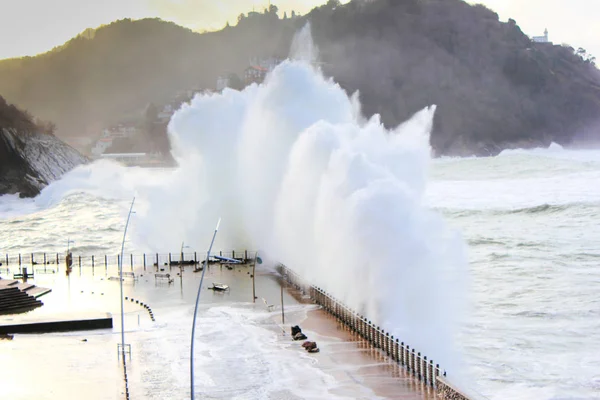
(391, 367)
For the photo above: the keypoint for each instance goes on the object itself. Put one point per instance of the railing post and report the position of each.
(419, 364)
(7, 259)
(232, 253)
(412, 366)
(157, 265)
(246, 255)
(45, 259)
(144, 261)
(56, 262)
(169, 261)
(195, 259)
(19, 260)
(105, 264)
(92, 264)
(425, 369)
(131, 261)
(407, 356)
(79, 265)
(431, 376)
(118, 260)
(31, 261)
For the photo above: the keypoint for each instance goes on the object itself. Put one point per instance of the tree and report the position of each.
(235, 82)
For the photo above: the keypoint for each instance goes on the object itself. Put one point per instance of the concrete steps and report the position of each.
(15, 299)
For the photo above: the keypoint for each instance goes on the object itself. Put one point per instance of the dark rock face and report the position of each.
(30, 161)
(30, 155)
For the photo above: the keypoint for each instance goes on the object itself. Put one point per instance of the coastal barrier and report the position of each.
(416, 364)
(47, 263)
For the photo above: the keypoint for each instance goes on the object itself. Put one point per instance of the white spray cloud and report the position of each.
(298, 173)
(295, 171)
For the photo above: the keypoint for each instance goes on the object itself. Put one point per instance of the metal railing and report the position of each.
(414, 363)
(45, 263)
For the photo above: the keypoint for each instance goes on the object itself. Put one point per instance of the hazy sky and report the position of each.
(29, 27)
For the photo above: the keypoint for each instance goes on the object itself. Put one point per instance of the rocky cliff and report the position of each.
(29, 158)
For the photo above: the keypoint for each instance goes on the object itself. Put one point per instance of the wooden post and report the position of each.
(144, 261)
(195, 259)
(232, 253)
(157, 262)
(56, 262)
(119, 261)
(92, 264)
(32, 261)
(19, 260)
(245, 255)
(131, 262)
(45, 259)
(169, 261)
(7, 259)
(105, 264)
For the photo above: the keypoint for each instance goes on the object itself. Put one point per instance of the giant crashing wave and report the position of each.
(29, 161)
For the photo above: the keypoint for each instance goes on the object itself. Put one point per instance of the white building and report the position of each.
(222, 83)
(541, 39)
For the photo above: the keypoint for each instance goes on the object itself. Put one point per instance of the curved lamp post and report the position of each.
(121, 282)
(196, 310)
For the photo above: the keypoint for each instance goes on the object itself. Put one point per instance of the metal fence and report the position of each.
(414, 362)
(44, 263)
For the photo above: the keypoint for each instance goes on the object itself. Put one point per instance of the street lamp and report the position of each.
(121, 285)
(196, 310)
(182, 247)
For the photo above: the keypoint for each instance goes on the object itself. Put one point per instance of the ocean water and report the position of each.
(486, 265)
(530, 221)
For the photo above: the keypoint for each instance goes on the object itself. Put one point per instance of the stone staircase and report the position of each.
(14, 297)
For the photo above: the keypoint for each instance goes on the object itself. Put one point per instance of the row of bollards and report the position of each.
(416, 364)
(146, 306)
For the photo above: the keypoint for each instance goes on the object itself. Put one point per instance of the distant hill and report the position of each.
(494, 88)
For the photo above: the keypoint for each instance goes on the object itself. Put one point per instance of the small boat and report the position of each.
(220, 287)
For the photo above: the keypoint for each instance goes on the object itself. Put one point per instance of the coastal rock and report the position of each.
(29, 158)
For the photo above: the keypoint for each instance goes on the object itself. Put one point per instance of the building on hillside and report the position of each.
(259, 69)
(541, 39)
(120, 131)
(222, 83)
(255, 74)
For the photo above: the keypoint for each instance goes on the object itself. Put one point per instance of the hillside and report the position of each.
(494, 88)
(30, 156)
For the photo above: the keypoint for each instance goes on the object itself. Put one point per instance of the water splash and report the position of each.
(297, 172)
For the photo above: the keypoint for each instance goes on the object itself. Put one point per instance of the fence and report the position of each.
(39, 262)
(414, 362)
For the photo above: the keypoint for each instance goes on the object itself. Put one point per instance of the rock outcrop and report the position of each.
(29, 158)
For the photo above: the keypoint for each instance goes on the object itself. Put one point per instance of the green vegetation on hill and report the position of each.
(494, 88)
